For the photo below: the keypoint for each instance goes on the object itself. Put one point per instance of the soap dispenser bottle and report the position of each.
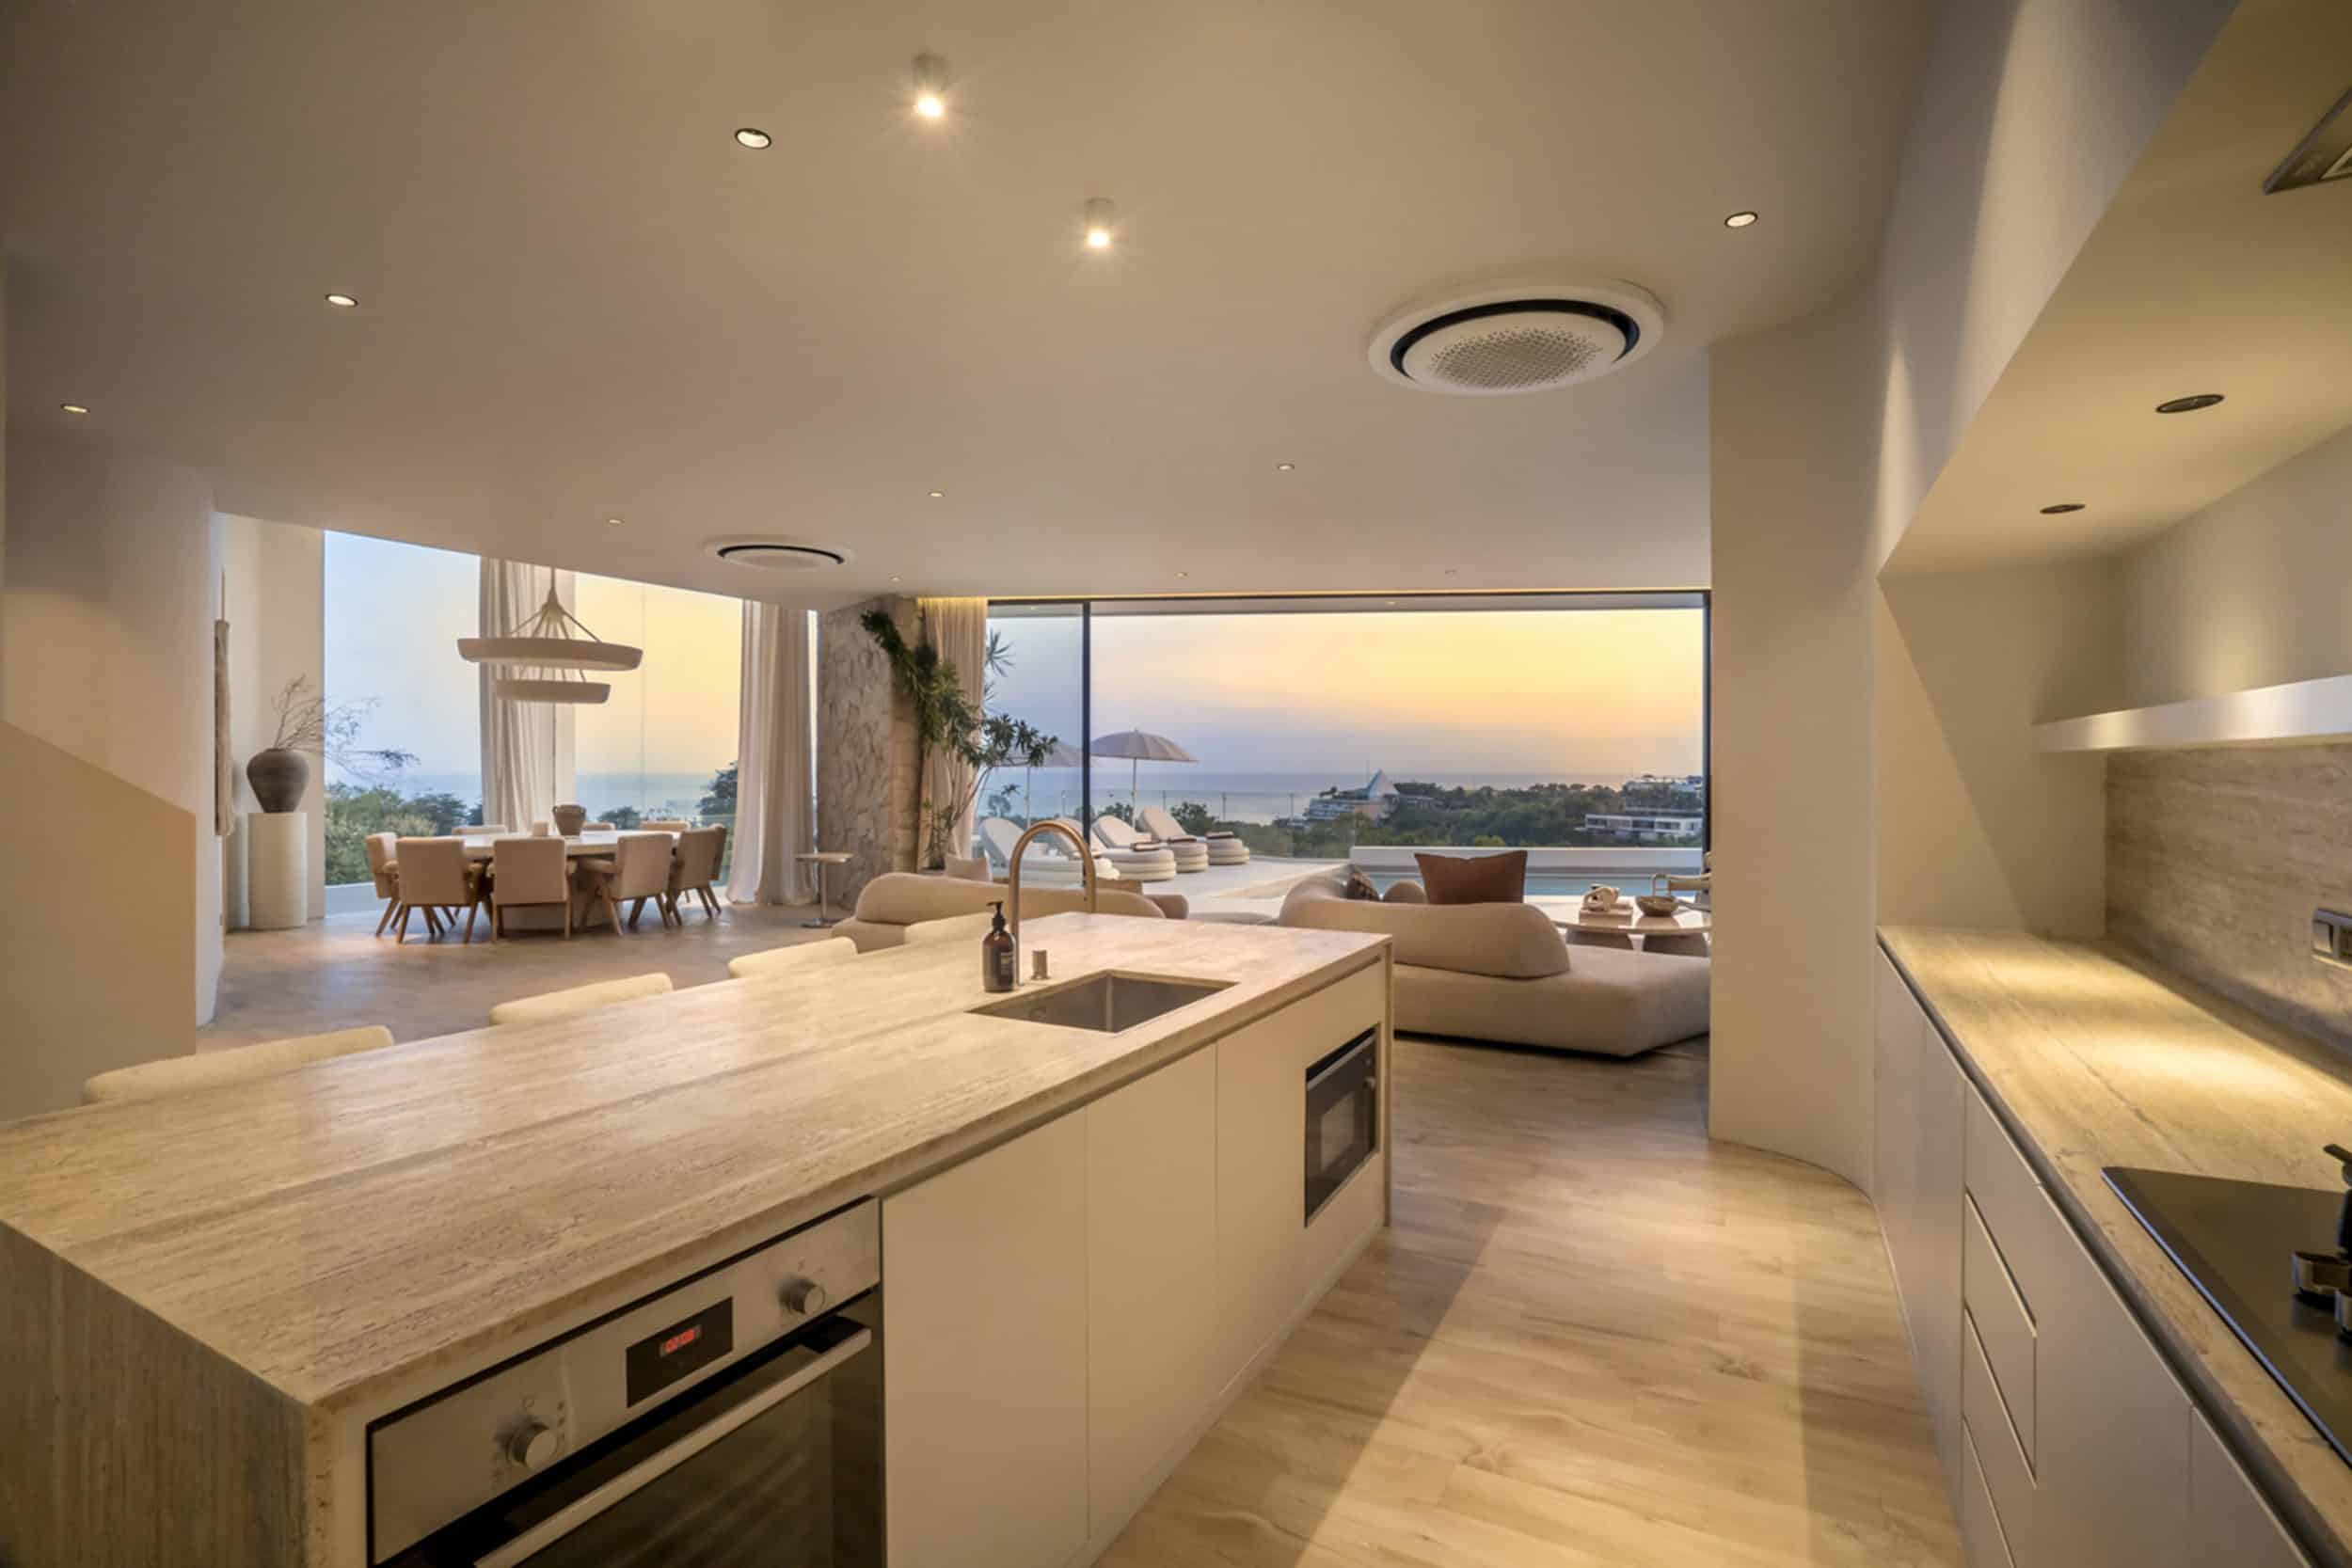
(1000, 964)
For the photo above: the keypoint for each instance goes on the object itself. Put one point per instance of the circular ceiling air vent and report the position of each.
(780, 555)
(1519, 339)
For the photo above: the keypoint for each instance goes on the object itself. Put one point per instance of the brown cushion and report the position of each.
(1406, 891)
(1474, 879)
(1359, 886)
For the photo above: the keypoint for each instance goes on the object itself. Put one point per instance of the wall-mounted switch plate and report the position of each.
(2331, 936)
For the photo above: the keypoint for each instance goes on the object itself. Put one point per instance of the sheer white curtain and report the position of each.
(520, 774)
(771, 804)
(959, 629)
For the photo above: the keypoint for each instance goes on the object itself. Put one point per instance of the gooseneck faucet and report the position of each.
(1012, 874)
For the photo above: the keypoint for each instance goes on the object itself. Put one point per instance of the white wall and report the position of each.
(114, 566)
(2251, 591)
(275, 577)
(1975, 826)
(1826, 434)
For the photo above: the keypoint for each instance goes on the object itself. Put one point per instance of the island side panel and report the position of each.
(125, 1444)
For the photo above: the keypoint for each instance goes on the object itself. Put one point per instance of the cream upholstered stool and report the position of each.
(637, 869)
(579, 999)
(529, 871)
(209, 1068)
(793, 957)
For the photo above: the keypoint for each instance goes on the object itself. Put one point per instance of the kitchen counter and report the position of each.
(358, 1230)
(2095, 1057)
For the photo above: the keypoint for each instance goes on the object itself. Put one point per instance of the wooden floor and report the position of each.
(1592, 1338)
(333, 974)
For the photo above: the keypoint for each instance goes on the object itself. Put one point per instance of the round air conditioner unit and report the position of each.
(1527, 339)
(780, 555)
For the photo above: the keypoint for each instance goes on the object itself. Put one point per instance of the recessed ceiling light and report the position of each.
(1738, 220)
(1391, 603)
(1098, 217)
(1448, 571)
(73, 407)
(1183, 574)
(754, 138)
(893, 579)
(612, 522)
(2060, 508)
(2189, 404)
(343, 302)
(930, 86)
(938, 495)
(1284, 467)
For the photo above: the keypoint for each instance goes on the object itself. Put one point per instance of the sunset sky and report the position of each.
(1597, 692)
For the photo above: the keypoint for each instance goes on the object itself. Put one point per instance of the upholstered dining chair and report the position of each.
(667, 824)
(483, 830)
(433, 874)
(380, 863)
(526, 872)
(597, 827)
(637, 869)
(697, 866)
(793, 957)
(579, 999)
(209, 1069)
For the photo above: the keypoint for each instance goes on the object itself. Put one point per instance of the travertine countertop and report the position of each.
(340, 1229)
(2096, 1057)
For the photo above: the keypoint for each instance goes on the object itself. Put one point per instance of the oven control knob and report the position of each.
(804, 1296)
(534, 1444)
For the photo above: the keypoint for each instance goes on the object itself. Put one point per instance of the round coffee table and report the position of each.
(824, 860)
(1684, 932)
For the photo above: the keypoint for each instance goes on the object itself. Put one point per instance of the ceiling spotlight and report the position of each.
(930, 86)
(1183, 574)
(893, 579)
(612, 522)
(342, 302)
(2189, 404)
(1738, 220)
(73, 407)
(2058, 509)
(1284, 467)
(938, 495)
(754, 138)
(1098, 222)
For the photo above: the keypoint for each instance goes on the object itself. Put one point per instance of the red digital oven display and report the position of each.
(659, 1361)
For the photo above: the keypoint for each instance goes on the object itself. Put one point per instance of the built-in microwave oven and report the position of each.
(1342, 1116)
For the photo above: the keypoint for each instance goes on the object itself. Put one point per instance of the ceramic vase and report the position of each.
(280, 777)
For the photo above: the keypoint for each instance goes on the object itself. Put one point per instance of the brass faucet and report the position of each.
(1012, 876)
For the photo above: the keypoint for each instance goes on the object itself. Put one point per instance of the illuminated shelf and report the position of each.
(2268, 715)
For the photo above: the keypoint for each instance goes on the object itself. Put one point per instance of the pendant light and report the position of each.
(552, 639)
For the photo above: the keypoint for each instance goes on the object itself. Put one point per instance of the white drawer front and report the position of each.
(2003, 1320)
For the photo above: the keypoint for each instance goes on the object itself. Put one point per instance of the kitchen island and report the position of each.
(209, 1298)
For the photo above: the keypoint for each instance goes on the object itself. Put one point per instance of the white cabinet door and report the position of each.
(1152, 1328)
(984, 1269)
(2228, 1521)
(1932, 1271)
(2110, 1433)
(1261, 1186)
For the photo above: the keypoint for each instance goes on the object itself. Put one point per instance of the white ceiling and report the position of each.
(2193, 281)
(578, 298)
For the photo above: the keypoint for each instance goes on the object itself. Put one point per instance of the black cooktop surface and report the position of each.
(2236, 1241)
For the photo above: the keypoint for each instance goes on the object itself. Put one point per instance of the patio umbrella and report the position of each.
(1061, 756)
(1139, 746)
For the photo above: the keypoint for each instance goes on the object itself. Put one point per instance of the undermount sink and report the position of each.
(1108, 1002)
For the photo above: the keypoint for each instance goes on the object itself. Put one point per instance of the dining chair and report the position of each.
(579, 999)
(434, 874)
(527, 872)
(209, 1068)
(483, 830)
(380, 867)
(597, 827)
(697, 865)
(637, 869)
(668, 825)
(792, 955)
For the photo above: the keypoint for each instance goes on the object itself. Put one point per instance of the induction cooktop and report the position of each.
(2236, 1241)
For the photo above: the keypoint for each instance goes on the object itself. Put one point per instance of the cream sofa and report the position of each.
(1503, 972)
(893, 902)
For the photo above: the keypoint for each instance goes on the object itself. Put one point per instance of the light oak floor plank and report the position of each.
(1591, 1338)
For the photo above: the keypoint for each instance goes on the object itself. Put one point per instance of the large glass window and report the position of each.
(1040, 678)
(1328, 730)
(662, 746)
(393, 614)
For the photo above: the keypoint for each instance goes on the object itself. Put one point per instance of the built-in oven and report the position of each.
(1342, 1116)
(732, 1418)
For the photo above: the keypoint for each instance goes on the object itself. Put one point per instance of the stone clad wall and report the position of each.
(865, 751)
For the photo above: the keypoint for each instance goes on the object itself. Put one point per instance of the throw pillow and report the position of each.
(1474, 879)
(1360, 886)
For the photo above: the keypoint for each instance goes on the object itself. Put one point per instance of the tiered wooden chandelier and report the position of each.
(553, 639)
